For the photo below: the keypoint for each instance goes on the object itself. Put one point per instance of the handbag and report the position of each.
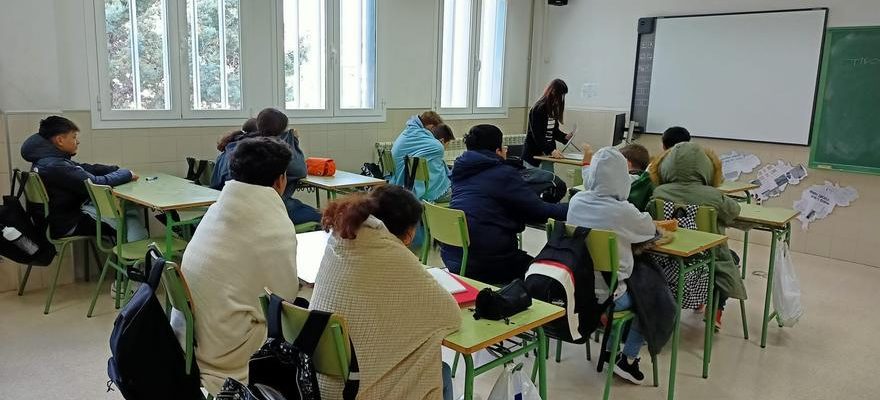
(321, 166)
(503, 303)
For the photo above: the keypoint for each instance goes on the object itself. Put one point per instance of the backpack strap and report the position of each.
(21, 178)
(155, 275)
(311, 332)
(273, 318)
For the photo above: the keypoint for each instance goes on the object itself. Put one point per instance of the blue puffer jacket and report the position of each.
(296, 169)
(416, 141)
(497, 203)
(64, 180)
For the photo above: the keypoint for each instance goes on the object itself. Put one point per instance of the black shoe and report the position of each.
(629, 371)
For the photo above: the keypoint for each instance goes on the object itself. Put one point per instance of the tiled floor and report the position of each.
(829, 355)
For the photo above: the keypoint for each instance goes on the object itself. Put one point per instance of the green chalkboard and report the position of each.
(846, 124)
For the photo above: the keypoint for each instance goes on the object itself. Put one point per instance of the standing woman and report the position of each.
(544, 119)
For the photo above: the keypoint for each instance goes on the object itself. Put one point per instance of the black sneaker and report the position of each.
(629, 371)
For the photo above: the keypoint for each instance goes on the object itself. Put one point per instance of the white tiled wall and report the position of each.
(164, 150)
(849, 233)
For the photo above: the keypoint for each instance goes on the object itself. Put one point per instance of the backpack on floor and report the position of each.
(147, 361)
(31, 224)
(562, 274)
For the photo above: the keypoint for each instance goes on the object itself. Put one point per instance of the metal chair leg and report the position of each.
(587, 345)
(54, 284)
(558, 350)
(24, 279)
(98, 288)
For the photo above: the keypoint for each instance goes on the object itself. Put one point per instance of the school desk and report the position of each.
(165, 193)
(777, 221)
(340, 182)
(564, 160)
(688, 243)
(310, 248)
(730, 188)
(475, 335)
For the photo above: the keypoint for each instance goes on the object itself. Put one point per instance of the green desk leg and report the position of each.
(746, 240)
(542, 363)
(774, 235)
(317, 197)
(712, 303)
(468, 376)
(676, 332)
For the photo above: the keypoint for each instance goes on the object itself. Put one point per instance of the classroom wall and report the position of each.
(593, 42)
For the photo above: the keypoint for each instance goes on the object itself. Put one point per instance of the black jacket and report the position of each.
(654, 304)
(497, 203)
(64, 180)
(540, 137)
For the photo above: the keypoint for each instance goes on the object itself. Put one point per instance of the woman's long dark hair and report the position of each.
(554, 99)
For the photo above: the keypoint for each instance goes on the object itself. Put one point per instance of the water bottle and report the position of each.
(26, 245)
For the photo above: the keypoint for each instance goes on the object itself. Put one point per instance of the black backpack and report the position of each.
(147, 361)
(562, 274)
(287, 368)
(31, 223)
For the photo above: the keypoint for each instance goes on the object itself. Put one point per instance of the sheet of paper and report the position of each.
(818, 201)
(774, 178)
(449, 283)
(734, 164)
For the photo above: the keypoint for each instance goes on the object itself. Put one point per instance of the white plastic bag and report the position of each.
(786, 288)
(514, 384)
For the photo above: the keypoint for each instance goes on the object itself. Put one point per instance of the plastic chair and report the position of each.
(307, 227)
(199, 171)
(447, 226)
(35, 192)
(707, 221)
(126, 254)
(386, 160)
(422, 176)
(603, 250)
(180, 299)
(333, 353)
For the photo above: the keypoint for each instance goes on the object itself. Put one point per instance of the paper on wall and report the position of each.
(734, 164)
(819, 200)
(774, 178)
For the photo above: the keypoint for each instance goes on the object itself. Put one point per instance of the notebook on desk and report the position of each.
(460, 290)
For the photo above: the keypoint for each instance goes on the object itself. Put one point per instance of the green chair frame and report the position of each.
(422, 175)
(447, 226)
(180, 299)
(707, 221)
(35, 192)
(333, 353)
(120, 255)
(602, 245)
(386, 159)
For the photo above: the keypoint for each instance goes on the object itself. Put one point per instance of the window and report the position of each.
(329, 57)
(472, 56)
(213, 54)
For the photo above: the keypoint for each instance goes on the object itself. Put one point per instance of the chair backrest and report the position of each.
(181, 300)
(34, 190)
(446, 225)
(602, 245)
(386, 160)
(105, 203)
(422, 174)
(706, 218)
(333, 353)
(200, 171)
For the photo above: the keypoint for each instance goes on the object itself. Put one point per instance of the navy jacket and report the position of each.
(296, 169)
(497, 203)
(64, 180)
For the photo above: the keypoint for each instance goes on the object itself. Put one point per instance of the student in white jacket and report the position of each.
(245, 242)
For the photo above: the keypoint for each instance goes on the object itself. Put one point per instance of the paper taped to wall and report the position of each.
(734, 164)
(818, 201)
(774, 178)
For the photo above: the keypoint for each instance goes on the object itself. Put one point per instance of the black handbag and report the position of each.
(503, 303)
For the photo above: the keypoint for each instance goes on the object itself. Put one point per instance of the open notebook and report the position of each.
(461, 291)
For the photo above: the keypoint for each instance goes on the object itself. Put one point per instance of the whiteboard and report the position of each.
(737, 76)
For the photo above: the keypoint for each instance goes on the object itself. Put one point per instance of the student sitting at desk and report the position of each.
(418, 140)
(638, 159)
(497, 203)
(673, 136)
(70, 213)
(397, 313)
(244, 243)
(443, 133)
(271, 123)
(603, 205)
(690, 174)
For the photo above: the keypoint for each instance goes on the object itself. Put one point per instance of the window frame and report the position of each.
(332, 110)
(474, 65)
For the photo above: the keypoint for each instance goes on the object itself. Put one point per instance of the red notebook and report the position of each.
(468, 296)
